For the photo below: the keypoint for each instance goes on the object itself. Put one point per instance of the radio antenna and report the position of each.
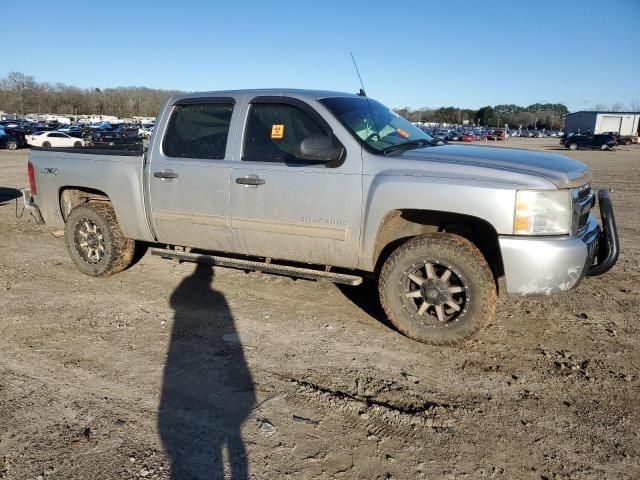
(362, 93)
(362, 90)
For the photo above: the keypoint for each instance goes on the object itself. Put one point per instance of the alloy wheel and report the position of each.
(434, 293)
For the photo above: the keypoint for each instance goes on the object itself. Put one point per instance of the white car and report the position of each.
(53, 139)
(145, 132)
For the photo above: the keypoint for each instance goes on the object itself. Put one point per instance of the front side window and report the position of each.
(274, 132)
(374, 125)
(198, 131)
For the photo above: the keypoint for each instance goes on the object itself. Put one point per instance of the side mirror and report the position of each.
(318, 148)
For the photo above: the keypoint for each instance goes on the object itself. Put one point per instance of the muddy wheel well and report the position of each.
(71, 197)
(399, 226)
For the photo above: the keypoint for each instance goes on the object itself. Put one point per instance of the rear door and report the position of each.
(610, 123)
(284, 208)
(188, 173)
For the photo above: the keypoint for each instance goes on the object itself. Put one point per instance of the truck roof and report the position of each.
(303, 93)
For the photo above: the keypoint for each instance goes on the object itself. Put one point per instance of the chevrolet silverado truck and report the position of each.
(334, 186)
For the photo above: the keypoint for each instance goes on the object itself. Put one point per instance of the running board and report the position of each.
(286, 270)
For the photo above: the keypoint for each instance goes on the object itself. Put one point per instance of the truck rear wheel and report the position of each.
(95, 242)
(437, 289)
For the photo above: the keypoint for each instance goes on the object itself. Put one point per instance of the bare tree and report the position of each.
(20, 89)
(617, 107)
(20, 93)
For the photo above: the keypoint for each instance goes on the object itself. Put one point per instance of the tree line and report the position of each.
(22, 94)
(537, 115)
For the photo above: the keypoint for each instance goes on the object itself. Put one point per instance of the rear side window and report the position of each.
(198, 131)
(274, 131)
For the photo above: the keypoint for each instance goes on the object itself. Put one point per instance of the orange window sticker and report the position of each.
(277, 132)
(402, 133)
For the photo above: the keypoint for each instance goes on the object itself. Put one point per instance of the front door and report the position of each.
(189, 175)
(284, 208)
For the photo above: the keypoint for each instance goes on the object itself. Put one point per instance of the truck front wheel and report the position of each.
(437, 289)
(95, 242)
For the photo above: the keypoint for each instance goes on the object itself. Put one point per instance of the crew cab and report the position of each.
(334, 186)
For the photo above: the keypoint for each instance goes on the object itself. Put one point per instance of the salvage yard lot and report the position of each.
(303, 379)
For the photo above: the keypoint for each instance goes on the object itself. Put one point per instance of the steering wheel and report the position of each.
(372, 136)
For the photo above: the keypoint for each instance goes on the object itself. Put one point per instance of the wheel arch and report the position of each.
(70, 197)
(400, 225)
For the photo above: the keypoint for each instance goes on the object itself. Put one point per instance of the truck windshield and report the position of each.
(375, 125)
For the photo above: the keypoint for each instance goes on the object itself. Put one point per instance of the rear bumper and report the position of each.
(31, 207)
(547, 265)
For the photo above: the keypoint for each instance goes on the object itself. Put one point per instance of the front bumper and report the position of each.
(546, 265)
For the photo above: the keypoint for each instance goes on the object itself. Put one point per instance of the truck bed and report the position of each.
(116, 173)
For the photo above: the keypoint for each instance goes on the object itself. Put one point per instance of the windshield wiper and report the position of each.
(407, 145)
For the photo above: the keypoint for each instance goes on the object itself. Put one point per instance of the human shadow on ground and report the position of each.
(207, 390)
(7, 194)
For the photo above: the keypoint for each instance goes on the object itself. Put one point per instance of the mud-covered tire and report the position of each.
(446, 251)
(117, 252)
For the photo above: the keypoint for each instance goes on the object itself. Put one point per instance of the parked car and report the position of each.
(498, 134)
(453, 136)
(469, 137)
(114, 137)
(308, 189)
(74, 131)
(628, 139)
(49, 139)
(145, 132)
(19, 131)
(593, 142)
(8, 140)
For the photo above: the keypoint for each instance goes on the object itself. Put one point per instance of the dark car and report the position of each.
(9, 140)
(453, 136)
(20, 130)
(114, 137)
(76, 131)
(592, 142)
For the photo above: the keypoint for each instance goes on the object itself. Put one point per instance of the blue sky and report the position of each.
(410, 53)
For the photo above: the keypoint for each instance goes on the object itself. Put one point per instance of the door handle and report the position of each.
(167, 173)
(253, 180)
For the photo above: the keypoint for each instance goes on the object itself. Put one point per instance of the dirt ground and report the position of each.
(223, 374)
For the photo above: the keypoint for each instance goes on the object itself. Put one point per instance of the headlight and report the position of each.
(543, 212)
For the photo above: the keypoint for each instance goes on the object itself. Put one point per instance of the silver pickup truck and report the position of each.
(335, 186)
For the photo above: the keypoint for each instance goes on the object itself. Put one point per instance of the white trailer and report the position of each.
(622, 123)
